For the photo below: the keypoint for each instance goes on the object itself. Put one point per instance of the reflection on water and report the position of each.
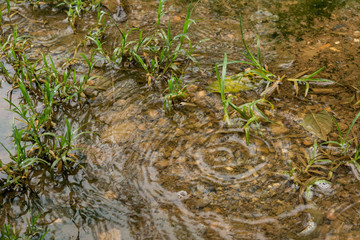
(6, 120)
(291, 18)
(151, 175)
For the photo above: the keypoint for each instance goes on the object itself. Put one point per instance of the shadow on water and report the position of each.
(152, 175)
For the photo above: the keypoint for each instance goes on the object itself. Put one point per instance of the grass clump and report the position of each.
(344, 143)
(13, 48)
(176, 90)
(33, 230)
(249, 112)
(273, 81)
(38, 142)
(319, 166)
(162, 54)
(44, 92)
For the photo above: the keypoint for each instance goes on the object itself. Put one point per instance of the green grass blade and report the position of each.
(351, 125)
(316, 72)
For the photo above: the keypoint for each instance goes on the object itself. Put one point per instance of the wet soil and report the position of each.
(186, 175)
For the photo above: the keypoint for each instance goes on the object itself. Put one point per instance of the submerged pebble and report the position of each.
(112, 234)
(119, 133)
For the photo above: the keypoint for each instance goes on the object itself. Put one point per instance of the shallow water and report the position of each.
(185, 175)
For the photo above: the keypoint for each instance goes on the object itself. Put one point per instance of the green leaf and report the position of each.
(319, 124)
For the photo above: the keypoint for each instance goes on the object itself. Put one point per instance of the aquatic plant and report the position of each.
(123, 52)
(344, 143)
(40, 122)
(309, 169)
(161, 54)
(99, 47)
(35, 145)
(258, 68)
(18, 170)
(176, 90)
(306, 79)
(165, 53)
(249, 112)
(61, 151)
(99, 30)
(255, 62)
(42, 90)
(33, 230)
(8, 7)
(89, 61)
(322, 163)
(14, 46)
(75, 7)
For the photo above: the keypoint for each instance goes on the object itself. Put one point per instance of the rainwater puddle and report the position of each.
(185, 175)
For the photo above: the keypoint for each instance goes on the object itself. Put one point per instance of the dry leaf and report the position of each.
(319, 124)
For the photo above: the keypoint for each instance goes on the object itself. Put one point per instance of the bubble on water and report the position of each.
(182, 194)
(310, 227)
(324, 187)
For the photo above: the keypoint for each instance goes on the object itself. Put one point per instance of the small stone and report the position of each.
(153, 113)
(175, 154)
(181, 159)
(110, 195)
(90, 92)
(167, 152)
(343, 181)
(264, 150)
(230, 169)
(279, 128)
(142, 127)
(278, 144)
(177, 19)
(243, 194)
(179, 132)
(182, 194)
(331, 214)
(269, 113)
(214, 225)
(307, 142)
(357, 33)
(90, 83)
(112, 234)
(201, 94)
(323, 47)
(200, 203)
(119, 133)
(356, 40)
(162, 164)
(230, 36)
(162, 122)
